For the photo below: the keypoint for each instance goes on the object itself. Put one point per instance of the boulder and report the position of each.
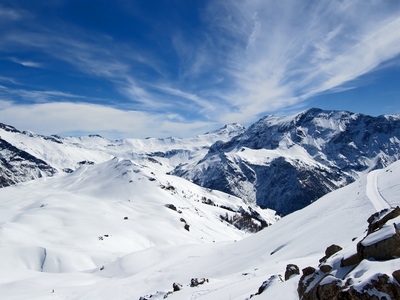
(176, 286)
(325, 268)
(351, 260)
(328, 288)
(332, 249)
(386, 249)
(291, 270)
(396, 275)
(378, 219)
(197, 281)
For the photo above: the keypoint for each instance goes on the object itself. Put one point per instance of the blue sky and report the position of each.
(180, 68)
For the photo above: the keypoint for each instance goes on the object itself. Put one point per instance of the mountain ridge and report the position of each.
(324, 149)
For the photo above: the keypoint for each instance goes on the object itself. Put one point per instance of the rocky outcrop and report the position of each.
(380, 287)
(291, 270)
(380, 244)
(378, 219)
(17, 165)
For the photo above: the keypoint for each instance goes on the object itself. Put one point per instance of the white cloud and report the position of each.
(30, 64)
(66, 118)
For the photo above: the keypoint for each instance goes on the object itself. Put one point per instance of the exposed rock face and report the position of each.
(291, 270)
(306, 280)
(377, 288)
(18, 166)
(338, 144)
(328, 288)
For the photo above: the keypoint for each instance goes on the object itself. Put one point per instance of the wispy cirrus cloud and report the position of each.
(281, 53)
(8, 14)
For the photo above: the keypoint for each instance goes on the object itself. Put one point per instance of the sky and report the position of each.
(134, 69)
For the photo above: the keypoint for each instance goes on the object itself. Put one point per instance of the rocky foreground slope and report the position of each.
(110, 231)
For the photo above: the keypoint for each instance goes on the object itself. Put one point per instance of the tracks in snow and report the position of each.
(373, 193)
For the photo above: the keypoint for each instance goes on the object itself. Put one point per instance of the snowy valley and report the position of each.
(195, 218)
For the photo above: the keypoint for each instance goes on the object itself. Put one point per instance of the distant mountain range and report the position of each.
(282, 163)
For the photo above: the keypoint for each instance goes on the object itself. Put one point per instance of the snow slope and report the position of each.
(54, 251)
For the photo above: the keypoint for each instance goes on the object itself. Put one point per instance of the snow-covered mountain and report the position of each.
(283, 163)
(110, 231)
(25, 155)
(286, 163)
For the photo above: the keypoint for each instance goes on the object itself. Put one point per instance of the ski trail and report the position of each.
(373, 193)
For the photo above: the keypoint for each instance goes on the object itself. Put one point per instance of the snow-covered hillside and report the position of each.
(104, 232)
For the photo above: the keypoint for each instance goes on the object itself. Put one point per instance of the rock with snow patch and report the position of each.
(197, 281)
(381, 246)
(291, 270)
(378, 219)
(176, 286)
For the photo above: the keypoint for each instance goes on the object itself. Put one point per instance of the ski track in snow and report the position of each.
(373, 193)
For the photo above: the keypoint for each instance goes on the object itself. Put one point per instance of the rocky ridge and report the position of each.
(285, 163)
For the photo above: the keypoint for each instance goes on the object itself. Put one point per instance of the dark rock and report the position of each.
(308, 271)
(382, 250)
(381, 285)
(328, 290)
(197, 281)
(291, 270)
(86, 162)
(396, 275)
(351, 260)
(308, 278)
(187, 226)
(325, 268)
(176, 286)
(332, 249)
(171, 206)
(378, 219)
(266, 284)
